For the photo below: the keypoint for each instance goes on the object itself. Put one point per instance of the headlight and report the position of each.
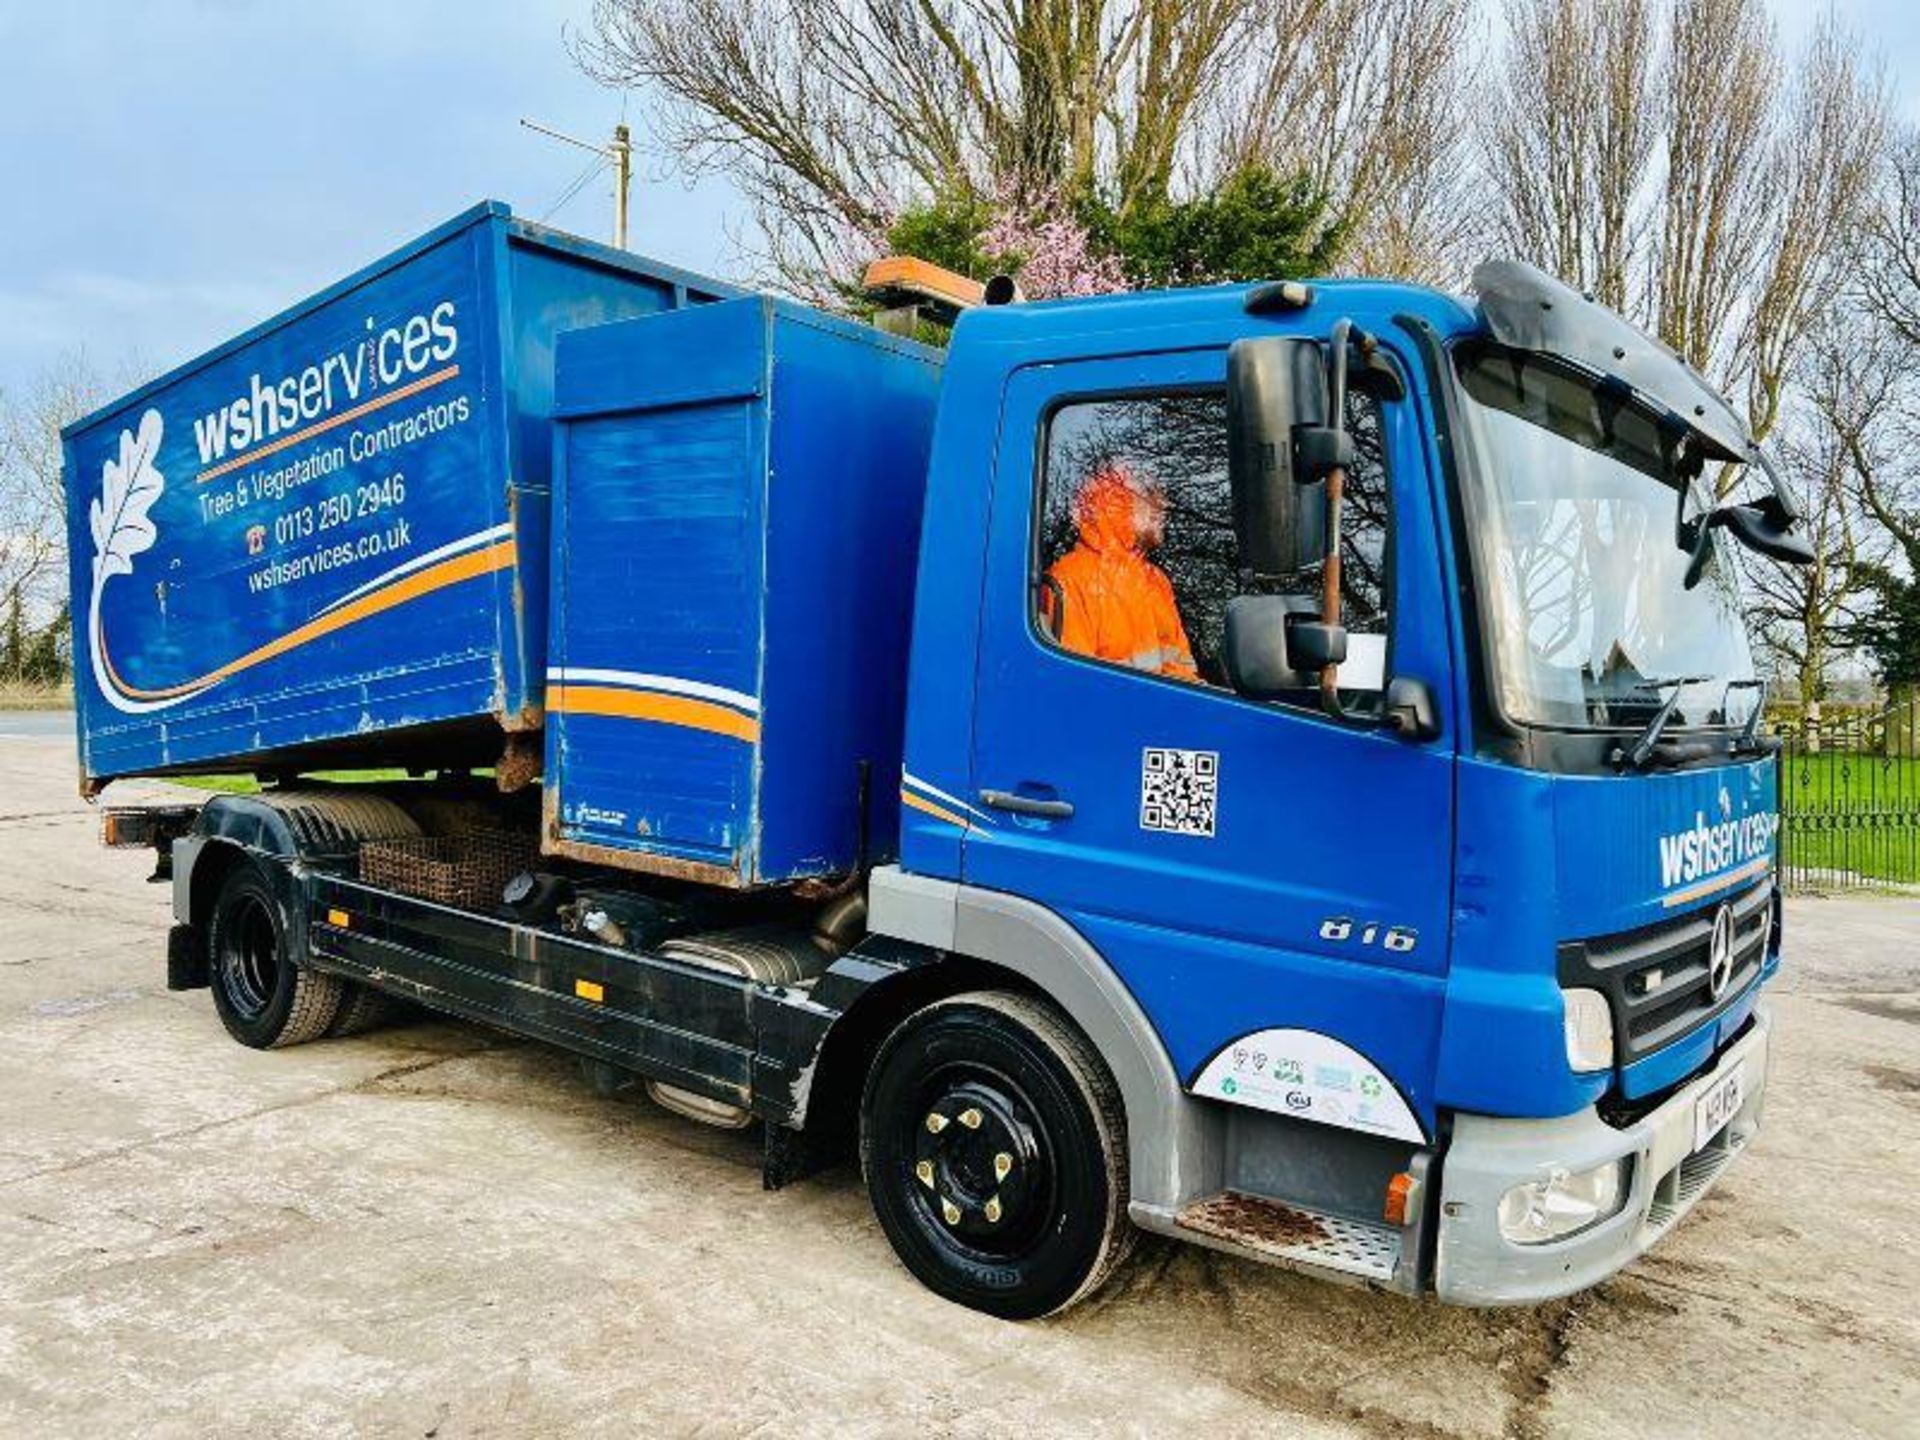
(1563, 1203)
(1589, 1030)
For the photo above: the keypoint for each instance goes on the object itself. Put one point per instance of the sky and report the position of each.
(173, 172)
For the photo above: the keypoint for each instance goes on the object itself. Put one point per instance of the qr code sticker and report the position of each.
(1179, 791)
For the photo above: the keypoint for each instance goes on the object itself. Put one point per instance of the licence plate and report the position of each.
(1721, 1103)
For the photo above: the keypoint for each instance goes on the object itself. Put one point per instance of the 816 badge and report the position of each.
(1179, 790)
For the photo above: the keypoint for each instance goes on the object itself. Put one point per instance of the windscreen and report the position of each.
(1581, 581)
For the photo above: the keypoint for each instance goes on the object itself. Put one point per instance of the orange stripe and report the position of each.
(1718, 882)
(652, 705)
(928, 807)
(498, 556)
(366, 407)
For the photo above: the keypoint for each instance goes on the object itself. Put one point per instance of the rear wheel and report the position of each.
(994, 1150)
(264, 999)
(363, 1008)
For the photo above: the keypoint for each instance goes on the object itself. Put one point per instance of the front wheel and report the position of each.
(994, 1150)
(265, 1000)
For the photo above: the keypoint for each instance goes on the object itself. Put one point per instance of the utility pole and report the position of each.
(622, 148)
(619, 153)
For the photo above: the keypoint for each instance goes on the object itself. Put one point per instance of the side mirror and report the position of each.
(1274, 386)
(1767, 526)
(1258, 655)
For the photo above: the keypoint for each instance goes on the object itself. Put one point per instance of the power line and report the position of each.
(619, 152)
(594, 167)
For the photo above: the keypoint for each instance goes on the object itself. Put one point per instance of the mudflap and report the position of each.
(792, 1155)
(186, 959)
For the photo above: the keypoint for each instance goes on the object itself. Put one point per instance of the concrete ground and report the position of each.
(439, 1232)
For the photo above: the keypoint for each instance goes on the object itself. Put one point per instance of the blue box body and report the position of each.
(326, 541)
(738, 493)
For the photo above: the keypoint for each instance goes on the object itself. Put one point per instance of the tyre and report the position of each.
(363, 1008)
(994, 1149)
(265, 999)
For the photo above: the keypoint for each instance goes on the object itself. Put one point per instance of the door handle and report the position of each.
(1027, 805)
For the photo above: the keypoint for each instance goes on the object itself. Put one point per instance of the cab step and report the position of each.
(1271, 1229)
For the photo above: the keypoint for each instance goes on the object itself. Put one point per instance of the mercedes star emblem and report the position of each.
(1720, 953)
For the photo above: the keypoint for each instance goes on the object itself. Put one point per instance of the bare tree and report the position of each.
(1664, 159)
(1364, 97)
(1853, 382)
(33, 537)
(1889, 288)
(1570, 137)
(1826, 159)
(1890, 275)
(1719, 78)
(833, 115)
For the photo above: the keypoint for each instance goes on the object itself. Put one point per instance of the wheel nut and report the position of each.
(1002, 1165)
(936, 1122)
(971, 1118)
(992, 1210)
(924, 1170)
(950, 1210)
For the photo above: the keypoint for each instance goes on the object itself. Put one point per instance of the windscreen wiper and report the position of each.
(1751, 741)
(1641, 751)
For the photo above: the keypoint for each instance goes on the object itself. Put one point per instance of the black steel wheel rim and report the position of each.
(250, 957)
(977, 1164)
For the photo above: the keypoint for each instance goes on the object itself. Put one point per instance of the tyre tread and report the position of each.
(316, 1000)
(363, 1008)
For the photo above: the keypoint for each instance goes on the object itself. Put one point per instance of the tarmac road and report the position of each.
(436, 1231)
(36, 725)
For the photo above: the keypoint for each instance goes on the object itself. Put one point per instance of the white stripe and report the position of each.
(466, 542)
(938, 794)
(670, 684)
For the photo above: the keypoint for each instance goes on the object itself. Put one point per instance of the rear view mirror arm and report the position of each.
(1336, 493)
(1782, 492)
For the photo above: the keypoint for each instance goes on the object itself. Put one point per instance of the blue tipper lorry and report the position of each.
(743, 745)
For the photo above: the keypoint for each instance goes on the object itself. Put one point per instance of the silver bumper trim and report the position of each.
(1476, 1265)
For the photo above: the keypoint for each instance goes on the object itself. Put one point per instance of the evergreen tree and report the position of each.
(47, 657)
(1257, 225)
(13, 644)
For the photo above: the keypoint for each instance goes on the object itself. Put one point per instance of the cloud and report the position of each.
(217, 162)
(118, 315)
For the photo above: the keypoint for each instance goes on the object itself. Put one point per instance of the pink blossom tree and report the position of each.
(1050, 252)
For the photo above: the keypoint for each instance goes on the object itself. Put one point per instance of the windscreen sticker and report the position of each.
(1311, 1077)
(1179, 791)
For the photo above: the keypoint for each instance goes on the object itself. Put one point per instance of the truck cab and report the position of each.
(1425, 979)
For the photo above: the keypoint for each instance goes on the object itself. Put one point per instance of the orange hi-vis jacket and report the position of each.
(1116, 604)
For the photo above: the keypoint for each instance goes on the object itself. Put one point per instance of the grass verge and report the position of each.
(247, 785)
(14, 696)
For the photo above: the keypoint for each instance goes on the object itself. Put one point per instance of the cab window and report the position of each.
(1135, 549)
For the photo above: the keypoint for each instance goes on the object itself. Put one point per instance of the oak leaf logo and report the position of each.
(121, 524)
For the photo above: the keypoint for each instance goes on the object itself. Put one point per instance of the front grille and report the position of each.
(1655, 978)
(1675, 1192)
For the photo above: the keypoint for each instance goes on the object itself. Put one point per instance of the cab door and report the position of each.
(1243, 865)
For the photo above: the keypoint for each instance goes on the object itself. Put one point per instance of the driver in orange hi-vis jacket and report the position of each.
(1107, 599)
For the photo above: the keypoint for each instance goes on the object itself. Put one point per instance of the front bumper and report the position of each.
(1476, 1265)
